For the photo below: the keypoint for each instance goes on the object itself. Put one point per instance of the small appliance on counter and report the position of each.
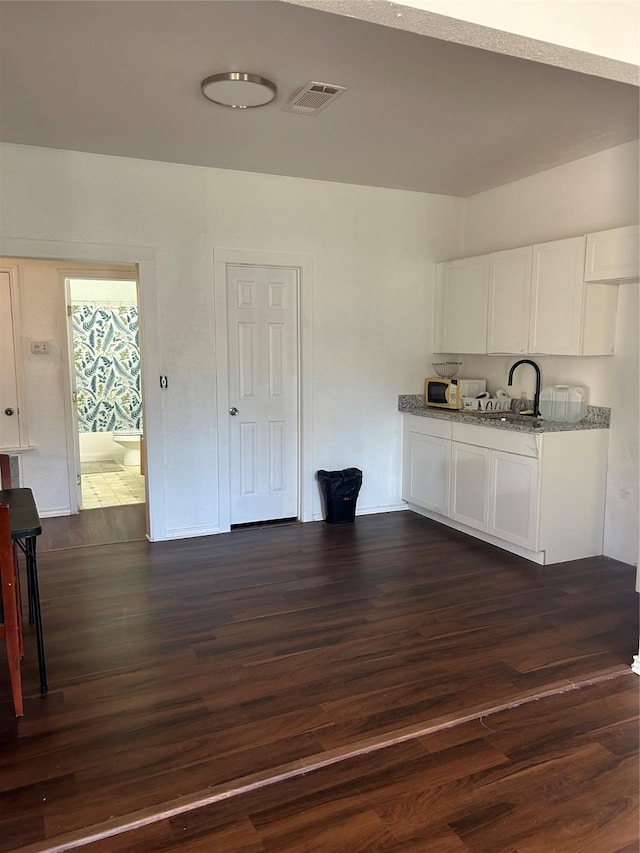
(445, 392)
(564, 403)
(484, 402)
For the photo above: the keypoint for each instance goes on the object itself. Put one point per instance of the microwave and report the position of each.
(448, 393)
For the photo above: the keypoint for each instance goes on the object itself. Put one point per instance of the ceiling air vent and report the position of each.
(314, 97)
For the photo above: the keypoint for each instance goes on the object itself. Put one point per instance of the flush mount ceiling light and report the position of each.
(238, 89)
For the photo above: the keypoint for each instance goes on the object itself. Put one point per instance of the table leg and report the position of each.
(34, 606)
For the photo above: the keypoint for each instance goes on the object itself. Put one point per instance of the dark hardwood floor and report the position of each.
(94, 527)
(559, 774)
(331, 658)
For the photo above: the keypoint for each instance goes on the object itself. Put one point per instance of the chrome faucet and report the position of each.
(536, 398)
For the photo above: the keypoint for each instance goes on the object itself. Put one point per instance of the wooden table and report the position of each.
(25, 528)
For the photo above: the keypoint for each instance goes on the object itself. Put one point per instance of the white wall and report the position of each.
(104, 291)
(591, 194)
(373, 252)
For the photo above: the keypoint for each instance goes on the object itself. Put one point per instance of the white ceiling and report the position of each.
(420, 113)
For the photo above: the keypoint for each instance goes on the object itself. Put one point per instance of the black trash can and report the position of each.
(340, 491)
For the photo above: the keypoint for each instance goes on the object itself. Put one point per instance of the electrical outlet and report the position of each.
(40, 347)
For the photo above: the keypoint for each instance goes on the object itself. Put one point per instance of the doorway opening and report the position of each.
(106, 390)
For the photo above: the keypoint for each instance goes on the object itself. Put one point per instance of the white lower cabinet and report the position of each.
(513, 499)
(495, 491)
(469, 480)
(540, 495)
(426, 464)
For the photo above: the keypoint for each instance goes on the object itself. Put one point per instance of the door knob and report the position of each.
(9, 411)
(233, 411)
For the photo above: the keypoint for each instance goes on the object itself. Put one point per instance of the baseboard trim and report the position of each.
(370, 510)
(188, 533)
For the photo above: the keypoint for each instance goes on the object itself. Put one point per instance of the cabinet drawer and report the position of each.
(428, 426)
(522, 443)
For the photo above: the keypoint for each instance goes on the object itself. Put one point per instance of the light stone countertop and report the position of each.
(598, 417)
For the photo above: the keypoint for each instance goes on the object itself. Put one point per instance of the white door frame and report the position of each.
(145, 259)
(71, 417)
(303, 264)
(16, 326)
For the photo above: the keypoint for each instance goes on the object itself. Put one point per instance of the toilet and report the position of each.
(130, 440)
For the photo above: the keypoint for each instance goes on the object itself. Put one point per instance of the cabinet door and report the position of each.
(462, 289)
(427, 463)
(557, 290)
(469, 484)
(509, 299)
(513, 498)
(613, 255)
(9, 423)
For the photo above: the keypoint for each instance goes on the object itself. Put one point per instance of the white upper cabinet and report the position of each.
(613, 255)
(509, 300)
(557, 292)
(532, 300)
(462, 289)
(568, 315)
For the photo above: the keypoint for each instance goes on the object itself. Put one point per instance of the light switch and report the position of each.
(40, 347)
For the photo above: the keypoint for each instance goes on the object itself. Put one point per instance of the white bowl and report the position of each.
(446, 369)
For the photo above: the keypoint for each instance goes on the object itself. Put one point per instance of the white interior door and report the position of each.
(262, 316)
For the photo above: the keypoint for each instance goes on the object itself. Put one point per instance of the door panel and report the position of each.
(462, 292)
(469, 484)
(513, 513)
(263, 387)
(277, 382)
(426, 466)
(557, 292)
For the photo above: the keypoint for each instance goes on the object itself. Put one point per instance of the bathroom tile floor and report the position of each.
(110, 483)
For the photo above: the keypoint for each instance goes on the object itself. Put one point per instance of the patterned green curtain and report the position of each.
(107, 367)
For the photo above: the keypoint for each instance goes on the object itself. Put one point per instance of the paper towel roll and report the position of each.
(501, 394)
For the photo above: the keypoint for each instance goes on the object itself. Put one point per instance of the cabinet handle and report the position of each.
(9, 411)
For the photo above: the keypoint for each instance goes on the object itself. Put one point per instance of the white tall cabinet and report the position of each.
(540, 495)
